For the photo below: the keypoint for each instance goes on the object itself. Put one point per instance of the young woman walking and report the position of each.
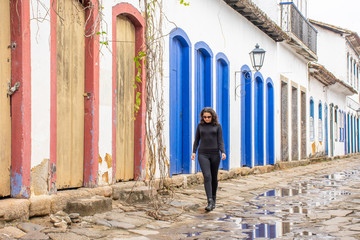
(209, 134)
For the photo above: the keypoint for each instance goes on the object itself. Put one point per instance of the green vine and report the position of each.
(141, 55)
(184, 3)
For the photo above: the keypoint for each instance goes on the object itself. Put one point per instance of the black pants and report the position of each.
(209, 164)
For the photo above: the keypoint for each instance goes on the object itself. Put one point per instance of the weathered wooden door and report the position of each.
(5, 119)
(70, 93)
(125, 53)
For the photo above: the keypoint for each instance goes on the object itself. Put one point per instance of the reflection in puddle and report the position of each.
(270, 231)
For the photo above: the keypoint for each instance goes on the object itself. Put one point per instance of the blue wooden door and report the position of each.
(223, 105)
(259, 121)
(203, 86)
(270, 134)
(180, 108)
(326, 131)
(246, 117)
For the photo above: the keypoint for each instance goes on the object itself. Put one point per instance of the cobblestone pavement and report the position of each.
(318, 201)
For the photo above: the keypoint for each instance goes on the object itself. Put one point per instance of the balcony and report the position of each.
(303, 34)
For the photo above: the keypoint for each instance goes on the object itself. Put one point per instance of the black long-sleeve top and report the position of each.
(211, 137)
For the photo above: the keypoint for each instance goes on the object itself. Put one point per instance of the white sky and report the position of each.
(344, 13)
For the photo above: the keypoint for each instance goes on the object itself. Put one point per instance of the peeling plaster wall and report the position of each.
(40, 83)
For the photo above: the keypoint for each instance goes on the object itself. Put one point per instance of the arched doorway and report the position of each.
(270, 120)
(203, 82)
(259, 119)
(246, 117)
(223, 102)
(180, 102)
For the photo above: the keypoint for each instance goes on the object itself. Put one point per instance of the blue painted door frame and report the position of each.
(223, 102)
(357, 135)
(246, 117)
(259, 119)
(180, 102)
(352, 134)
(348, 134)
(270, 120)
(203, 83)
(326, 130)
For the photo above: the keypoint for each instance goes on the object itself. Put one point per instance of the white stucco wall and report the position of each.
(331, 46)
(40, 82)
(226, 31)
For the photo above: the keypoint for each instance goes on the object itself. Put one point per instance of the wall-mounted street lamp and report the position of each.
(257, 57)
(257, 60)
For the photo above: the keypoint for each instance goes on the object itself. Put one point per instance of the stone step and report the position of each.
(135, 195)
(89, 206)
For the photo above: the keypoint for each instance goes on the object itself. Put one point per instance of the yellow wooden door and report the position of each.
(70, 93)
(125, 36)
(5, 119)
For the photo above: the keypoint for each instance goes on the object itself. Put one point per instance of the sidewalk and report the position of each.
(189, 196)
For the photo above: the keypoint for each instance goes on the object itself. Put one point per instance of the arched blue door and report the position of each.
(180, 102)
(326, 131)
(203, 82)
(246, 117)
(223, 102)
(259, 119)
(270, 134)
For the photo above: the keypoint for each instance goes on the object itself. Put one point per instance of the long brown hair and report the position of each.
(214, 119)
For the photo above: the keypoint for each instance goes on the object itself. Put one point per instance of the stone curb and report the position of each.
(21, 209)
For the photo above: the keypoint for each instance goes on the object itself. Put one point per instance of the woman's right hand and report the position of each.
(193, 156)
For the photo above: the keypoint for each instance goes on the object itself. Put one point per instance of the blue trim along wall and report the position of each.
(326, 130)
(320, 118)
(180, 102)
(352, 134)
(348, 134)
(270, 121)
(312, 116)
(259, 119)
(203, 82)
(223, 102)
(246, 117)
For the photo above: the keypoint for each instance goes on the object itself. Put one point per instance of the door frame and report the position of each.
(202, 48)
(21, 99)
(270, 121)
(221, 58)
(91, 106)
(185, 162)
(139, 123)
(259, 119)
(246, 118)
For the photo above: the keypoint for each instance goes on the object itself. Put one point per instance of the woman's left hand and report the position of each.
(223, 156)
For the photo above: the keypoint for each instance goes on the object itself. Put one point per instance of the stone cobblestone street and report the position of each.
(317, 201)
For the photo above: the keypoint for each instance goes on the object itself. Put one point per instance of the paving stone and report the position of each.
(185, 205)
(122, 225)
(103, 222)
(67, 236)
(355, 227)
(40, 206)
(90, 233)
(340, 213)
(337, 220)
(144, 232)
(29, 227)
(35, 236)
(12, 232)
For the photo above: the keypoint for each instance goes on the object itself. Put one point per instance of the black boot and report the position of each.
(214, 198)
(210, 205)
